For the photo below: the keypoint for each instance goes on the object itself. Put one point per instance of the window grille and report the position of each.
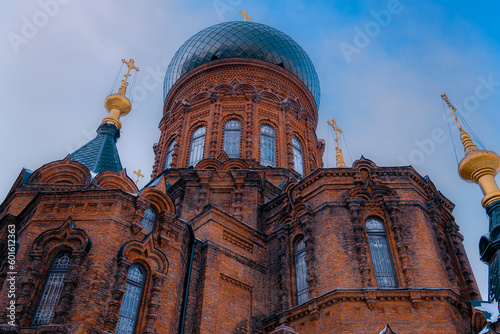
(298, 162)
(232, 136)
(170, 153)
(52, 290)
(197, 144)
(267, 146)
(301, 272)
(381, 254)
(131, 301)
(149, 220)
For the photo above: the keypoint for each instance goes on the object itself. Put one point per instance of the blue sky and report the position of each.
(384, 93)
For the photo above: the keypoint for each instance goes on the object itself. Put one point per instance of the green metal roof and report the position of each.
(100, 153)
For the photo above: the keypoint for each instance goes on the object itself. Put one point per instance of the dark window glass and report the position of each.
(298, 162)
(131, 301)
(267, 146)
(381, 254)
(301, 272)
(52, 289)
(232, 135)
(197, 145)
(170, 153)
(149, 220)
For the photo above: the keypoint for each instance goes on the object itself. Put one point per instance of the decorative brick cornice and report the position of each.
(236, 282)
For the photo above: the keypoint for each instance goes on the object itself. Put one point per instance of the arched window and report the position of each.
(131, 301)
(381, 254)
(298, 162)
(52, 290)
(267, 146)
(301, 272)
(197, 144)
(170, 154)
(232, 135)
(149, 220)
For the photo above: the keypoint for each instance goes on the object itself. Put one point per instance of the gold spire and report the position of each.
(245, 15)
(118, 104)
(336, 129)
(478, 166)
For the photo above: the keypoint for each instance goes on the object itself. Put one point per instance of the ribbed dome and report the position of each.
(240, 39)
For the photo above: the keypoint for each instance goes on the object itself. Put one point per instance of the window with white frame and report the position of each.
(232, 136)
(52, 290)
(383, 266)
(267, 146)
(197, 145)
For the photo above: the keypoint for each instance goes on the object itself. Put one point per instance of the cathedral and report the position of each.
(240, 229)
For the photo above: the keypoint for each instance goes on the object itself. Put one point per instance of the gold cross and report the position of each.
(131, 66)
(138, 173)
(337, 130)
(245, 15)
(452, 108)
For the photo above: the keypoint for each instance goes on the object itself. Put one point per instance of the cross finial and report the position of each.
(245, 15)
(452, 108)
(337, 130)
(138, 173)
(131, 66)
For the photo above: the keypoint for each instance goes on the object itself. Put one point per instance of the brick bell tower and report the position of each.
(241, 229)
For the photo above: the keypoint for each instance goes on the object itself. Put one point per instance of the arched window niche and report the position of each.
(131, 301)
(170, 154)
(298, 160)
(267, 146)
(197, 145)
(232, 138)
(301, 285)
(383, 266)
(149, 220)
(52, 289)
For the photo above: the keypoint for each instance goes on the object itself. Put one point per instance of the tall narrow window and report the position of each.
(298, 162)
(301, 272)
(170, 154)
(52, 289)
(381, 254)
(197, 144)
(149, 220)
(232, 134)
(267, 146)
(131, 301)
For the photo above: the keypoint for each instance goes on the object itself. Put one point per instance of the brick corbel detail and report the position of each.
(312, 279)
(354, 205)
(165, 219)
(401, 246)
(154, 303)
(215, 130)
(239, 182)
(25, 300)
(465, 269)
(249, 135)
(284, 274)
(116, 295)
(435, 220)
(140, 206)
(70, 284)
(204, 176)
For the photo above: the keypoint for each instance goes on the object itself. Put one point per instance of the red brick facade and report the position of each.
(226, 230)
